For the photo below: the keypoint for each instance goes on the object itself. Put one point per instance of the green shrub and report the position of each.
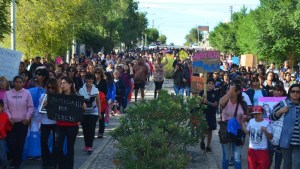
(169, 67)
(156, 134)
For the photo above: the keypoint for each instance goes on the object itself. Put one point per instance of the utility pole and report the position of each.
(152, 23)
(231, 11)
(197, 33)
(13, 24)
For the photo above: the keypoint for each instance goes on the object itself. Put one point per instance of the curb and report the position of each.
(94, 155)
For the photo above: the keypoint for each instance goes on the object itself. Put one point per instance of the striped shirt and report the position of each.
(296, 137)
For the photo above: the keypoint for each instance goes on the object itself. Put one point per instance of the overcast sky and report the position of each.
(174, 18)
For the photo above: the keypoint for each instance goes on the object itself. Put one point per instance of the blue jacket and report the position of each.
(251, 92)
(288, 122)
(111, 92)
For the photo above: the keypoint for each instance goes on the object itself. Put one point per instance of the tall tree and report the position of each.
(279, 27)
(152, 35)
(163, 39)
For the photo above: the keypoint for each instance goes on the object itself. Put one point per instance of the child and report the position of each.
(211, 100)
(120, 88)
(260, 131)
(4, 127)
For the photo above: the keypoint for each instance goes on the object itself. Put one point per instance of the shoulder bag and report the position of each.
(224, 136)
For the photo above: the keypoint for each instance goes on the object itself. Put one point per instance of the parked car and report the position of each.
(158, 43)
(194, 46)
(152, 46)
(143, 47)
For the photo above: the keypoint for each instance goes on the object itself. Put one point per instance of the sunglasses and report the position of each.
(97, 72)
(50, 87)
(295, 91)
(39, 74)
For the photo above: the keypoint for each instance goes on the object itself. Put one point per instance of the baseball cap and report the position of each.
(257, 109)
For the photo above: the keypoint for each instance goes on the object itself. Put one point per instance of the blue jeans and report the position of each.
(62, 132)
(188, 90)
(178, 90)
(125, 97)
(3, 157)
(236, 155)
(291, 156)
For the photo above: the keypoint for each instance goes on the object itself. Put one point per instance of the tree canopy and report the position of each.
(163, 39)
(192, 37)
(272, 31)
(49, 27)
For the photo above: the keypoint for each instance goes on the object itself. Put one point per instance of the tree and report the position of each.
(247, 34)
(278, 22)
(224, 36)
(4, 13)
(152, 35)
(49, 27)
(163, 39)
(192, 37)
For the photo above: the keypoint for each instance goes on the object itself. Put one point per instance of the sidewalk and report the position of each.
(104, 154)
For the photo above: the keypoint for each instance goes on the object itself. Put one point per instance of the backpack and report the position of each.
(102, 101)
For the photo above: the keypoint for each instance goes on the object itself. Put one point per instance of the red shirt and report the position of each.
(65, 123)
(4, 125)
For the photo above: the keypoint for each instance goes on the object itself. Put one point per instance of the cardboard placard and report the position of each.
(10, 61)
(65, 107)
(248, 60)
(206, 61)
(197, 83)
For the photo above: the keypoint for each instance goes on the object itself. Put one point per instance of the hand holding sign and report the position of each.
(68, 108)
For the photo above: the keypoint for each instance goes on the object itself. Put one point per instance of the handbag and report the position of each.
(224, 136)
(277, 128)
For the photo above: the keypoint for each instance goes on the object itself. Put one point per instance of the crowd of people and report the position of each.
(107, 81)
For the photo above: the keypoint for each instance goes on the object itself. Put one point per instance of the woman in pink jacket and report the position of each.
(19, 107)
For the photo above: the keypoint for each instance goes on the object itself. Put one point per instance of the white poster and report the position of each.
(9, 63)
(268, 104)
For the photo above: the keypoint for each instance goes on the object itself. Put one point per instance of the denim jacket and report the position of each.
(288, 122)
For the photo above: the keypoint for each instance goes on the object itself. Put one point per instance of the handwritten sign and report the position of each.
(10, 61)
(65, 107)
(197, 83)
(206, 61)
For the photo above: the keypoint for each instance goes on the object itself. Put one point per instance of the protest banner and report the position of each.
(10, 61)
(206, 61)
(65, 107)
(236, 60)
(197, 83)
(268, 104)
(248, 60)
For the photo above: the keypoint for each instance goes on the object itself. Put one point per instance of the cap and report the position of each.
(99, 53)
(257, 109)
(293, 75)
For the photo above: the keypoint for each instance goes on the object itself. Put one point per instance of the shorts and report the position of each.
(138, 86)
(211, 121)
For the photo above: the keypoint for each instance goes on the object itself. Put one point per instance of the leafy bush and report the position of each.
(156, 134)
(169, 67)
